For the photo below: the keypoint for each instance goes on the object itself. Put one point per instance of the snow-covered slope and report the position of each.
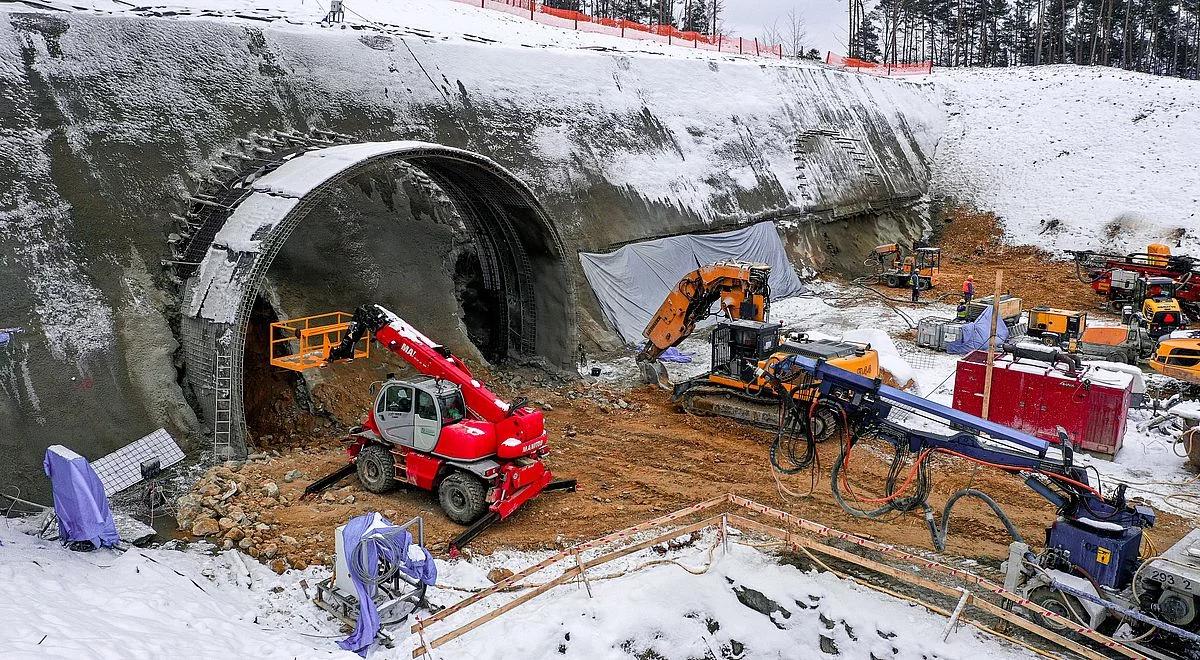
(171, 604)
(1075, 157)
(451, 19)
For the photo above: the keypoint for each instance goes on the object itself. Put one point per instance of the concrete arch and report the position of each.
(521, 253)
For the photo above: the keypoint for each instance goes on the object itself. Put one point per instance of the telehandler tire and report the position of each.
(376, 469)
(463, 497)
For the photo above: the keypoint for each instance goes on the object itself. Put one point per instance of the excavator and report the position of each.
(744, 343)
(446, 433)
(741, 287)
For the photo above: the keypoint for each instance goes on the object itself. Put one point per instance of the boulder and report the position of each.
(205, 526)
(270, 489)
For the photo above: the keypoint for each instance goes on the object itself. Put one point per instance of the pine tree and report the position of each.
(695, 17)
(868, 37)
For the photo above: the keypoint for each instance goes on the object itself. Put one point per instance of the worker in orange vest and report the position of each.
(968, 290)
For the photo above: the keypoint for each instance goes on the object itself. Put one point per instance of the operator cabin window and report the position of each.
(397, 400)
(426, 409)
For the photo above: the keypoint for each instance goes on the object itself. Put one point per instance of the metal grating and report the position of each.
(123, 468)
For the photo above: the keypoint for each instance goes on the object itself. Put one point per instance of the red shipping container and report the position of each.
(1036, 397)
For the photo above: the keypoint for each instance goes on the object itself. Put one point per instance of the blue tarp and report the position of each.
(377, 535)
(974, 335)
(79, 501)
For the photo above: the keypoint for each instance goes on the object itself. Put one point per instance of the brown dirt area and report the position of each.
(972, 243)
(632, 464)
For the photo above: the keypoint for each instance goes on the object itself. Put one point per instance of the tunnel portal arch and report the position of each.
(238, 226)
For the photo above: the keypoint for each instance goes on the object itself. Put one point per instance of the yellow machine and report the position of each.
(1178, 356)
(895, 269)
(742, 346)
(742, 288)
(1161, 311)
(1055, 326)
(737, 386)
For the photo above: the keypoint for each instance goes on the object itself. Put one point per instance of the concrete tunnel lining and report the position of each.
(521, 253)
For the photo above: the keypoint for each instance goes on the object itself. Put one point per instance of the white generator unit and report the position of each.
(396, 595)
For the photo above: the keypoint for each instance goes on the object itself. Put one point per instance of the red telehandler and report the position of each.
(447, 433)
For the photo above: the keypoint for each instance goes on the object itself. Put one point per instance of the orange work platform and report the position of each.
(304, 343)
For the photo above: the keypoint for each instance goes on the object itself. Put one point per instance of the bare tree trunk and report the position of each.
(1126, 47)
(1037, 56)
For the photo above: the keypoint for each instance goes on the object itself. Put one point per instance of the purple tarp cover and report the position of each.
(396, 545)
(675, 355)
(79, 501)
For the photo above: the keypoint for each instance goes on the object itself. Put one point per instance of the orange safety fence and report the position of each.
(667, 34)
(879, 69)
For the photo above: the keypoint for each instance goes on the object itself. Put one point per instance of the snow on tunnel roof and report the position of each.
(222, 274)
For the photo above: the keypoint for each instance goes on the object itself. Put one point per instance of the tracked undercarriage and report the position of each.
(699, 397)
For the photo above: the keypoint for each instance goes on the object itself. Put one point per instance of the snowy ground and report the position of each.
(443, 18)
(1075, 157)
(166, 603)
(1147, 462)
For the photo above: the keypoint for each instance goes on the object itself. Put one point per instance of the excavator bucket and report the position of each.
(304, 343)
(654, 372)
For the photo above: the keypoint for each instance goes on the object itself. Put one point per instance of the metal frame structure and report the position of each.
(499, 211)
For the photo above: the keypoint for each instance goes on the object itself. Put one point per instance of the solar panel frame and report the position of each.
(123, 468)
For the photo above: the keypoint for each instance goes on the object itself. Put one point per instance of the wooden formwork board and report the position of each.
(787, 536)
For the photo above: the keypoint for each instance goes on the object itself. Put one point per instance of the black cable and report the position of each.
(939, 532)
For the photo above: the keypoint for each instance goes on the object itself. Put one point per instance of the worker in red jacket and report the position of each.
(968, 289)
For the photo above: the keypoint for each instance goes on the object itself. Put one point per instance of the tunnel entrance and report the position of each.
(507, 288)
(480, 306)
(276, 400)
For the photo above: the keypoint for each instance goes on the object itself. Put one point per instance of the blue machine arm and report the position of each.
(870, 401)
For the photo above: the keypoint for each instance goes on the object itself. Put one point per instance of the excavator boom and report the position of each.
(741, 287)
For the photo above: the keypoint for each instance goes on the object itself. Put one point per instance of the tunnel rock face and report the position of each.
(108, 123)
(518, 252)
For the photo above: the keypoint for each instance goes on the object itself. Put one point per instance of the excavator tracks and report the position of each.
(758, 411)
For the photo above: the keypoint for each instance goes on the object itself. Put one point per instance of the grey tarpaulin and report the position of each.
(633, 281)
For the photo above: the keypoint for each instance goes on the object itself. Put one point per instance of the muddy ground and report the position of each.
(634, 454)
(972, 243)
(632, 464)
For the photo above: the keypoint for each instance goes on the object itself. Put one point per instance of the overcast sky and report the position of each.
(825, 20)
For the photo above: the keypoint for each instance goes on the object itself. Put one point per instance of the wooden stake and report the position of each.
(991, 356)
(962, 602)
(583, 574)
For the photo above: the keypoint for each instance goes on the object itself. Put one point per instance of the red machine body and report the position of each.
(1036, 398)
(498, 444)
(1100, 270)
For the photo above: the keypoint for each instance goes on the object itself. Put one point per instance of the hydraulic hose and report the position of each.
(939, 533)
